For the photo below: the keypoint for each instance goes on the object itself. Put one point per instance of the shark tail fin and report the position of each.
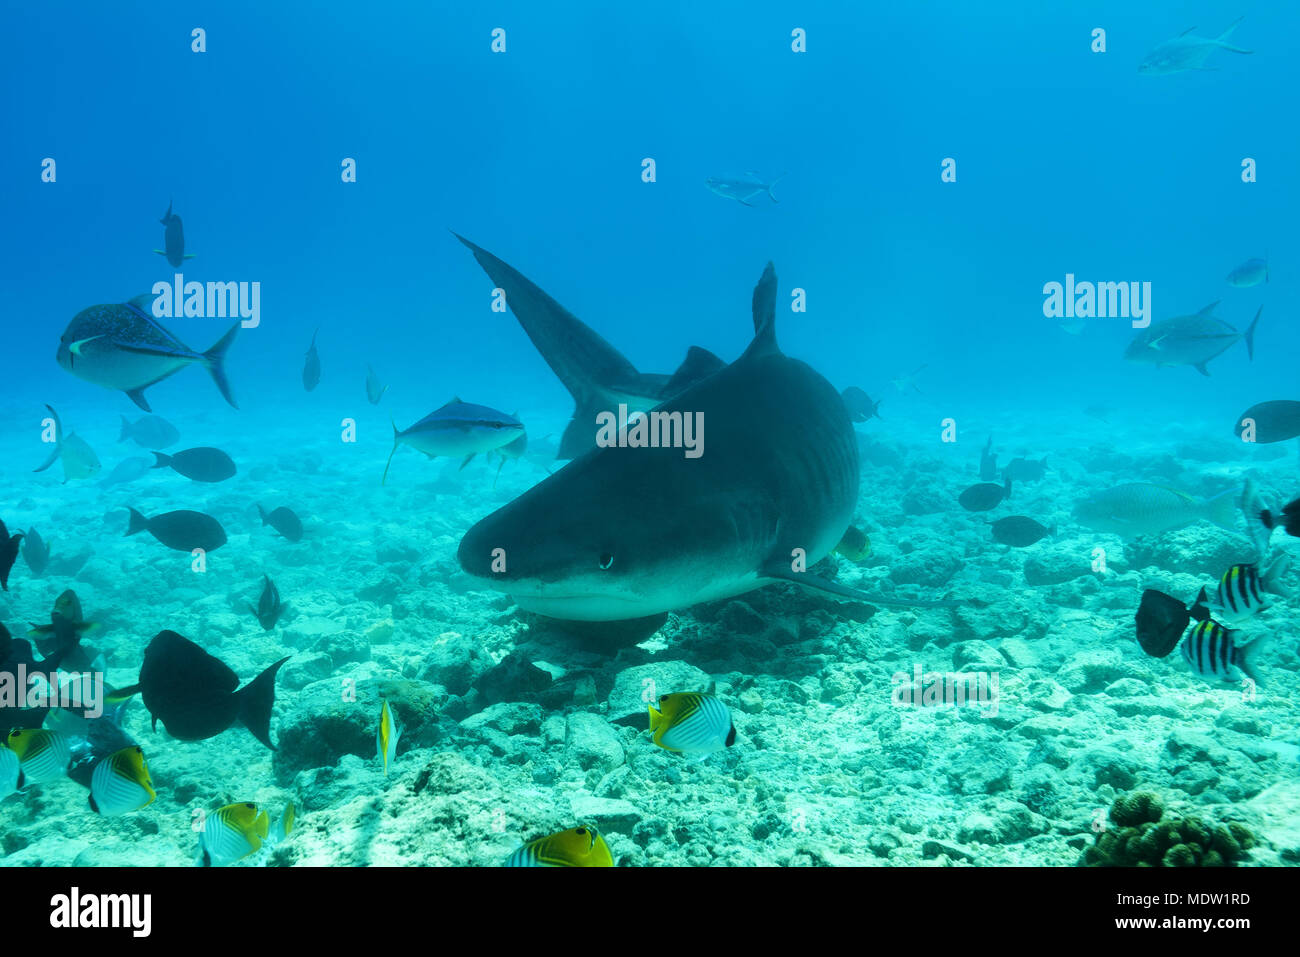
(1250, 334)
(397, 440)
(256, 699)
(215, 360)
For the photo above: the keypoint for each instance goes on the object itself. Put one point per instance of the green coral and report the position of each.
(1144, 837)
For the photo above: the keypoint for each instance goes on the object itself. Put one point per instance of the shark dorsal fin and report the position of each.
(699, 364)
(764, 314)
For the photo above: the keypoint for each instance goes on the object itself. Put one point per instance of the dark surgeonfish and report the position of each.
(269, 607)
(183, 530)
(457, 429)
(984, 496)
(1288, 518)
(173, 239)
(1189, 340)
(988, 462)
(36, 552)
(596, 374)
(374, 388)
(283, 520)
(859, 404)
(1019, 531)
(1161, 621)
(16, 659)
(202, 464)
(121, 346)
(79, 459)
(1025, 470)
(624, 533)
(193, 694)
(311, 368)
(62, 636)
(149, 431)
(8, 553)
(1274, 421)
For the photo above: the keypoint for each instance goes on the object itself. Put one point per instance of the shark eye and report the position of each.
(606, 560)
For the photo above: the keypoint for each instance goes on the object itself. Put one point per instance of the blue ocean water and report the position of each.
(1067, 160)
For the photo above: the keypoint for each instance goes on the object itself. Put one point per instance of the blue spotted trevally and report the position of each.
(173, 239)
(458, 428)
(624, 533)
(744, 187)
(121, 346)
(1189, 340)
(1186, 52)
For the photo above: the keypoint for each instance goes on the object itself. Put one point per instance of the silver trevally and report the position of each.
(1189, 340)
(79, 459)
(121, 346)
(458, 428)
(1186, 52)
(127, 470)
(742, 188)
(173, 239)
(1140, 508)
(1250, 273)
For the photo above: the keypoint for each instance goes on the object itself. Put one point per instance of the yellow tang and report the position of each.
(121, 783)
(576, 847)
(692, 722)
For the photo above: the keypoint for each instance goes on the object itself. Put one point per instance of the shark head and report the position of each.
(578, 545)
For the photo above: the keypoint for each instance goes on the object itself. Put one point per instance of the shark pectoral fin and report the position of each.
(137, 396)
(466, 461)
(781, 570)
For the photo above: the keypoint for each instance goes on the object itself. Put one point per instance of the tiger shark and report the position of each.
(623, 533)
(596, 374)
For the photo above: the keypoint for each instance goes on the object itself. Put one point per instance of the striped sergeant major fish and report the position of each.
(1242, 591)
(1213, 652)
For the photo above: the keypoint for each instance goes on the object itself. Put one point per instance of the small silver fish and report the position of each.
(1185, 52)
(374, 389)
(457, 429)
(743, 188)
(1250, 273)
